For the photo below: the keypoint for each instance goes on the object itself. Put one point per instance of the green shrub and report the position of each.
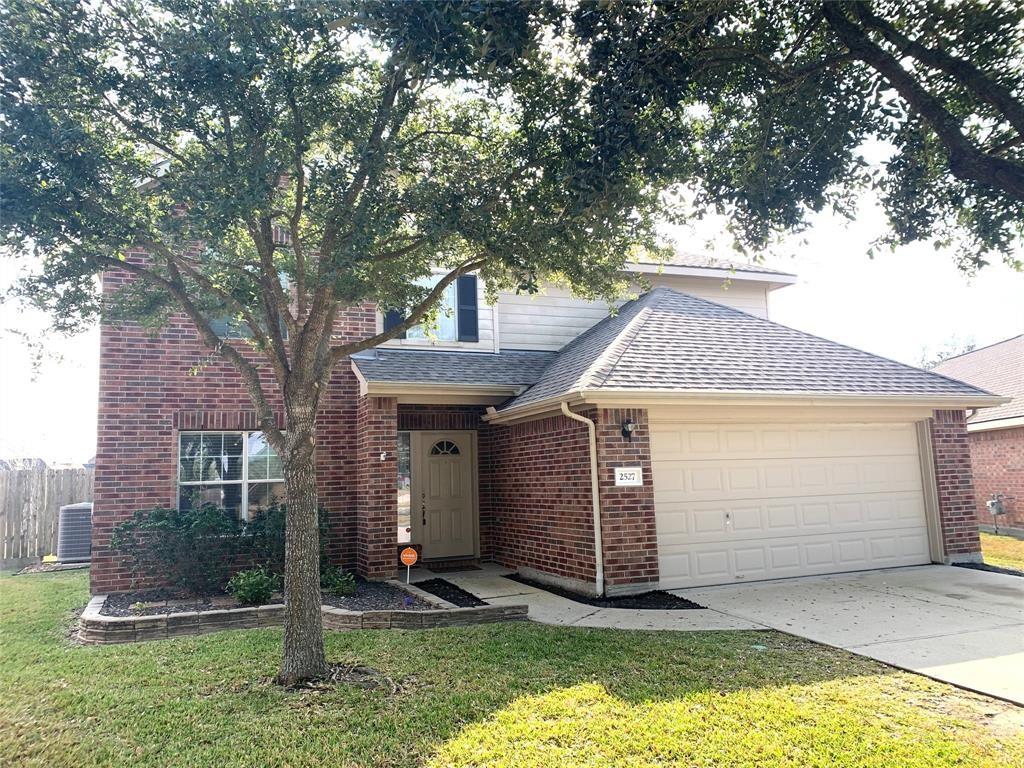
(196, 550)
(264, 537)
(193, 550)
(253, 587)
(336, 581)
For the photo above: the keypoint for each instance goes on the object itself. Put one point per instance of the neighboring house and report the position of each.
(686, 439)
(996, 434)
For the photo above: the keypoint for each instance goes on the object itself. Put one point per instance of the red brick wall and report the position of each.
(152, 386)
(376, 497)
(997, 459)
(540, 497)
(955, 486)
(628, 532)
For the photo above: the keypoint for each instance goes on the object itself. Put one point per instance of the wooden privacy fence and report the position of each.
(31, 495)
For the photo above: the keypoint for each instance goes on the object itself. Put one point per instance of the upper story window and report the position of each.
(446, 328)
(237, 471)
(458, 317)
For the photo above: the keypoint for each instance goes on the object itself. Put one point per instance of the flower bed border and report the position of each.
(96, 629)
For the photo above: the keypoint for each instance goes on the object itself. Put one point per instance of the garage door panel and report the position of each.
(720, 520)
(782, 477)
(748, 502)
(804, 441)
(715, 563)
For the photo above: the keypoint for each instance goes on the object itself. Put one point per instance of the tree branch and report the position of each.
(248, 372)
(337, 353)
(965, 73)
(966, 161)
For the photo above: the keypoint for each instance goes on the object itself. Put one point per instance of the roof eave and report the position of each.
(987, 426)
(608, 397)
(776, 279)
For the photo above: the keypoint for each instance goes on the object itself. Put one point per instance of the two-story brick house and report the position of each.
(683, 440)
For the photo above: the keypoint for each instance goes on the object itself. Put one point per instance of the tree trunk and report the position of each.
(303, 657)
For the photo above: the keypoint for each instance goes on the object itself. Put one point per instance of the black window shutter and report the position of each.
(467, 313)
(392, 318)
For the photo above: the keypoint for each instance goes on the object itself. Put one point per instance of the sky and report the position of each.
(900, 305)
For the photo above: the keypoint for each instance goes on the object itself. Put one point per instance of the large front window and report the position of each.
(238, 471)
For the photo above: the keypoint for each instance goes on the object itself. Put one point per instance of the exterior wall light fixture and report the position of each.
(627, 429)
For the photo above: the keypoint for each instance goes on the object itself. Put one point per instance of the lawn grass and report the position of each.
(1002, 551)
(502, 695)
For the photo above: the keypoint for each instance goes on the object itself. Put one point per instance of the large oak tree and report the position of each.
(349, 147)
(765, 108)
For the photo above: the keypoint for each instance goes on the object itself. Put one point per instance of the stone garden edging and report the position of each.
(96, 629)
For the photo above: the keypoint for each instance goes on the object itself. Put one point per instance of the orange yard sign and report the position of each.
(409, 557)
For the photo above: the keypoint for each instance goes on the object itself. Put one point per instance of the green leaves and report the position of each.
(762, 109)
(352, 147)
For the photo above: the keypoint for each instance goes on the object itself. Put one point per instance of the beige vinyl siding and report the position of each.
(744, 295)
(546, 321)
(552, 318)
(487, 331)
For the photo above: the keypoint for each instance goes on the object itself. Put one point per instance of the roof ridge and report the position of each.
(982, 349)
(625, 338)
(830, 341)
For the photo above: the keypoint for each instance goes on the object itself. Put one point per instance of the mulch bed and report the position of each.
(656, 600)
(990, 568)
(377, 596)
(369, 596)
(448, 591)
(153, 602)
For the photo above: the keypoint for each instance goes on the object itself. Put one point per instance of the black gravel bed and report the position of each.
(656, 600)
(376, 596)
(448, 591)
(154, 602)
(990, 568)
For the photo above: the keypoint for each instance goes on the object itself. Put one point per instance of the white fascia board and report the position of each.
(988, 426)
(641, 398)
(711, 397)
(778, 279)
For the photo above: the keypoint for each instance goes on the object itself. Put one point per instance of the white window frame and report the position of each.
(243, 481)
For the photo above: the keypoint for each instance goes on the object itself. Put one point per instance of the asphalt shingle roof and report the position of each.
(669, 341)
(513, 369)
(999, 368)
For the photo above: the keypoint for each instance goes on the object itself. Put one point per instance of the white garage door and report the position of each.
(743, 502)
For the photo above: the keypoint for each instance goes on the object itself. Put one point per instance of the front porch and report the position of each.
(462, 491)
(420, 475)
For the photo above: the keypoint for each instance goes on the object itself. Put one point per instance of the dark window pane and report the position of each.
(189, 457)
(262, 495)
(226, 497)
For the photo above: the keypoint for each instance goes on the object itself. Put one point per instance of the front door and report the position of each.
(444, 493)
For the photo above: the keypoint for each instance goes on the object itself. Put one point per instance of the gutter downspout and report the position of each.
(596, 497)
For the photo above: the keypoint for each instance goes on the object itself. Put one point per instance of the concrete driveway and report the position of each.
(954, 624)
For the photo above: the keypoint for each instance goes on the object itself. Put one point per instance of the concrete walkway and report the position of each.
(961, 626)
(490, 584)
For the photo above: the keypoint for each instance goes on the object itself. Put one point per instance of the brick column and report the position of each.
(955, 487)
(376, 497)
(628, 531)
